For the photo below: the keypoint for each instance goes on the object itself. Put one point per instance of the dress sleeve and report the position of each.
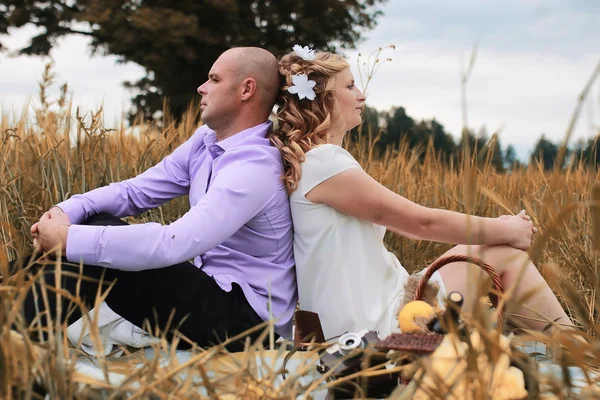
(322, 163)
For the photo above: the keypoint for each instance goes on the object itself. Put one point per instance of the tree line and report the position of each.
(177, 42)
(395, 127)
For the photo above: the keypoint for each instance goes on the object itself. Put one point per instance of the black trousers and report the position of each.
(180, 297)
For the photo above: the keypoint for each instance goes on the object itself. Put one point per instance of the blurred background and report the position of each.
(530, 61)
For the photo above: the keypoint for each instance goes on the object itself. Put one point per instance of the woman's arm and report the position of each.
(355, 193)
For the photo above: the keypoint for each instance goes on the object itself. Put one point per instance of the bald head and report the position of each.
(240, 92)
(262, 66)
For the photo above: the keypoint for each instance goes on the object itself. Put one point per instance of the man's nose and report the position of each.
(201, 90)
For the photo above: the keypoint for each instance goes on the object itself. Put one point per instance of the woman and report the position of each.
(340, 214)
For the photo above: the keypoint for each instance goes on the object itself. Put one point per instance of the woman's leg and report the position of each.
(537, 310)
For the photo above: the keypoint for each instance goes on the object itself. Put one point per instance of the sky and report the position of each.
(533, 59)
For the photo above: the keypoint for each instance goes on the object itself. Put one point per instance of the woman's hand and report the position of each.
(522, 214)
(523, 230)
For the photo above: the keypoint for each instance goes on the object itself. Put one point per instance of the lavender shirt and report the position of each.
(238, 228)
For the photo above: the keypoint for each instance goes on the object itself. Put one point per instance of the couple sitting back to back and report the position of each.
(247, 182)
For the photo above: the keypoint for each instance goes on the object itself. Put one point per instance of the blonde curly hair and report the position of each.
(303, 124)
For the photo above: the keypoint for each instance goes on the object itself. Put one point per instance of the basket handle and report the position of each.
(439, 263)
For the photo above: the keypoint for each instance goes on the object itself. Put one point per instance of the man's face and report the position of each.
(220, 95)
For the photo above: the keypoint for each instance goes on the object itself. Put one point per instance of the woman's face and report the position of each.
(350, 100)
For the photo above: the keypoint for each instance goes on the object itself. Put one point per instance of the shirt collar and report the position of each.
(247, 136)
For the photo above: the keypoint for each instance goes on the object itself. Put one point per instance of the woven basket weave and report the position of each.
(496, 282)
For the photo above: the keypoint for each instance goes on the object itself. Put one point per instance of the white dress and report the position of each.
(345, 273)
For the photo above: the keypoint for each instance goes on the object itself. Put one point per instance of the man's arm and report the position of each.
(239, 191)
(165, 181)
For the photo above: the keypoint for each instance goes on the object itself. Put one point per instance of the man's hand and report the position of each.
(51, 230)
(51, 234)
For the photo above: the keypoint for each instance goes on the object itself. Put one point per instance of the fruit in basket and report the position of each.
(415, 316)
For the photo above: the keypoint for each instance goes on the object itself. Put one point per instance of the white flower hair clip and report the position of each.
(303, 87)
(306, 53)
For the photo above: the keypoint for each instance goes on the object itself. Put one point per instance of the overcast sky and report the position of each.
(534, 58)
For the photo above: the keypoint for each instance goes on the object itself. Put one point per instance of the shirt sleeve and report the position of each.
(322, 163)
(243, 187)
(157, 185)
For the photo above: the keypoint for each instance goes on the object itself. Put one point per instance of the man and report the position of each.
(238, 229)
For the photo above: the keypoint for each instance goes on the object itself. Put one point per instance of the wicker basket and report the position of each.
(496, 282)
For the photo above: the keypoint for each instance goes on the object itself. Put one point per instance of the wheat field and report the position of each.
(60, 151)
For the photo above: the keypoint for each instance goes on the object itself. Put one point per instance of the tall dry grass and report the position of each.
(59, 155)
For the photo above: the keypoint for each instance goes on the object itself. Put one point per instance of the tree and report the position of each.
(587, 153)
(398, 127)
(474, 143)
(442, 140)
(371, 123)
(493, 152)
(544, 152)
(510, 158)
(177, 41)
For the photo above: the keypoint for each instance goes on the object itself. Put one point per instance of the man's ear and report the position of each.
(248, 88)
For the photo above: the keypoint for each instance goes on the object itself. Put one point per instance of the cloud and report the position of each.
(511, 25)
(533, 59)
(532, 62)
(95, 81)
